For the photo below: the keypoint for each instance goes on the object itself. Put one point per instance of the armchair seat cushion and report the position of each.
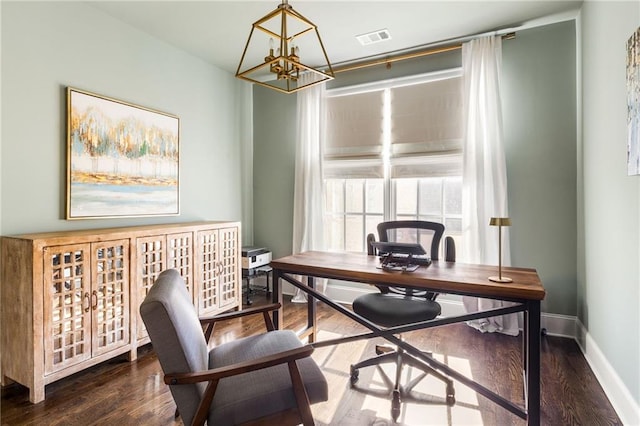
(391, 310)
(260, 393)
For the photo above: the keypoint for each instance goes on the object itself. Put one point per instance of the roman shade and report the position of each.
(412, 125)
(426, 129)
(354, 126)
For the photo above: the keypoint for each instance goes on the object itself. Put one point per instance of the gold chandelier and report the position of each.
(285, 33)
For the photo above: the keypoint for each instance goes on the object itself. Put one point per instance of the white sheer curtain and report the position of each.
(308, 232)
(484, 176)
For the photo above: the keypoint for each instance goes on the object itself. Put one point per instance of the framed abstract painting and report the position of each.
(122, 159)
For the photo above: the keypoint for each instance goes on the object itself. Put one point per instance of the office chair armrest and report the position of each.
(238, 368)
(210, 322)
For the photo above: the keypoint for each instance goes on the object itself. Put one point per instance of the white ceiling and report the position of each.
(217, 31)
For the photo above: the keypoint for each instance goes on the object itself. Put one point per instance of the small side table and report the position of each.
(249, 275)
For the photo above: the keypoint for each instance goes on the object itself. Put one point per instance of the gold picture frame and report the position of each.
(123, 160)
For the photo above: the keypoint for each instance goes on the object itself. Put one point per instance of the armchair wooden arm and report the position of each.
(213, 376)
(238, 368)
(210, 322)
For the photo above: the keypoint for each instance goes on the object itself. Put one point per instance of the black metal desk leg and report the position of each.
(248, 299)
(277, 298)
(268, 285)
(533, 362)
(525, 342)
(311, 311)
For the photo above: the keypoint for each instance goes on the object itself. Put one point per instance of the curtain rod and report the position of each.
(397, 58)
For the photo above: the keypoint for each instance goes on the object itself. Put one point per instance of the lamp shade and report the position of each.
(500, 221)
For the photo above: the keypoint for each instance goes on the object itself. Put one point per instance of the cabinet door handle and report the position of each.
(87, 298)
(94, 296)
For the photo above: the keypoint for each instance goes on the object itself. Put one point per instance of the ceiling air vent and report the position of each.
(374, 37)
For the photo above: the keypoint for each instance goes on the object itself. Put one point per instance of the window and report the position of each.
(353, 209)
(392, 152)
(434, 199)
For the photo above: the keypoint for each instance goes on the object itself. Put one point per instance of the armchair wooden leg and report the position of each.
(203, 408)
(304, 407)
(268, 322)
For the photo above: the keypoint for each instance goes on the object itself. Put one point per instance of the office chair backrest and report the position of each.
(177, 337)
(413, 231)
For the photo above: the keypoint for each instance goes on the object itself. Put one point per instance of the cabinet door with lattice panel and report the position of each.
(67, 316)
(151, 260)
(229, 272)
(207, 270)
(110, 295)
(180, 257)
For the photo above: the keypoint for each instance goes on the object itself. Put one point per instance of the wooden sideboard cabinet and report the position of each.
(70, 300)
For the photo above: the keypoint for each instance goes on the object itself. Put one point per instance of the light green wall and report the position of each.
(609, 290)
(426, 64)
(539, 110)
(47, 46)
(274, 152)
(540, 143)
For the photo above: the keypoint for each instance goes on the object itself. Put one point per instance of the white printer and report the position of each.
(254, 257)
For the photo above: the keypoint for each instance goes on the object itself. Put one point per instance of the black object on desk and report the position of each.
(395, 256)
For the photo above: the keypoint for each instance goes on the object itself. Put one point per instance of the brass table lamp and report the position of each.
(500, 222)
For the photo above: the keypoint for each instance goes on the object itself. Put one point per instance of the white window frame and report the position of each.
(389, 187)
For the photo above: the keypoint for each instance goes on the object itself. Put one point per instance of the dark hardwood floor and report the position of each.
(120, 392)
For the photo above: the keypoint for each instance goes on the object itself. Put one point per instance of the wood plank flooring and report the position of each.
(121, 393)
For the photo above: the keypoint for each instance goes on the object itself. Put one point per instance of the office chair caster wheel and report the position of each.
(355, 375)
(395, 406)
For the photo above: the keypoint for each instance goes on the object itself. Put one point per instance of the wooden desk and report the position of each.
(526, 291)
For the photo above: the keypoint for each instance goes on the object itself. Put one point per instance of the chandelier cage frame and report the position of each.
(285, 67)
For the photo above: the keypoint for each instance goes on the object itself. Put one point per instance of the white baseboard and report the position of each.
(556, 325)
(559, 325)
(626, 407)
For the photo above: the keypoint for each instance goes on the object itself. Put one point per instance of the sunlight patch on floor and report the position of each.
(335, 361)
(372, 405)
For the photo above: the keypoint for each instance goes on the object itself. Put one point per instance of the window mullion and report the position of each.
(386, 155)
(442, 198)
(418, 199)
(364, 212)
(344, 214)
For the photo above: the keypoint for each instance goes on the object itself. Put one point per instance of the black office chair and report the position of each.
(394, 306)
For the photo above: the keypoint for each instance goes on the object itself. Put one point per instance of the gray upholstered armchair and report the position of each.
(267, 378)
